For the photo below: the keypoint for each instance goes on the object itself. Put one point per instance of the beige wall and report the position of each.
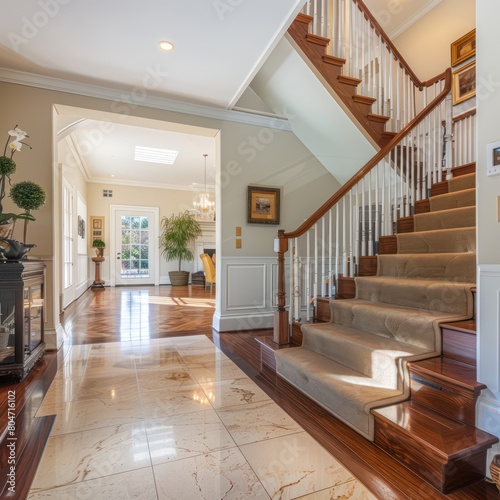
(247, 155)
(426, 44)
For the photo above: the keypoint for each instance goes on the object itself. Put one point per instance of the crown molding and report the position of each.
(156, 185)
(95, 91)
(413, 19)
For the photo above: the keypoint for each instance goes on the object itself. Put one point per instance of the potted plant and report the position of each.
(99, 246)
(27, 195)
(177, 235)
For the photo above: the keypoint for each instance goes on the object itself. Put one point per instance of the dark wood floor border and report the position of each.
(384, 476)
(28, 461)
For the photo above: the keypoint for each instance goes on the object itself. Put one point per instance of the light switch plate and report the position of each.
(238, 230)
(238, 243)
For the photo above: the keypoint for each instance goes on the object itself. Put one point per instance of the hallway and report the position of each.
(149, 408)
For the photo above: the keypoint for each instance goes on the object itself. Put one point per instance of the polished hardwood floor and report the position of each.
(125, 313)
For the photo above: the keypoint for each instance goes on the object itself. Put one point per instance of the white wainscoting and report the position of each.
(248, 287)
(488, 351)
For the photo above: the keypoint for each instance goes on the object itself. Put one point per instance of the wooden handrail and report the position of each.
(368, 15)
(343, 190)
(465, 115)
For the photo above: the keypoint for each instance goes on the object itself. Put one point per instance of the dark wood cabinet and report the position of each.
(21, 316)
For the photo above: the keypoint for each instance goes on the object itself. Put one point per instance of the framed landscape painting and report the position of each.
(464, 83)
(263, 205)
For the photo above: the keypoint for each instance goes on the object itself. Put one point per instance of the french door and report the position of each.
(68, 247)
(134, 245)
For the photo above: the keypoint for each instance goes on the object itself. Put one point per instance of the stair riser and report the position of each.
(444, 475)
(445, 297)
(399, 325)
(459, 267)
(443, 241)
(448, 219)
(460, 346)
(448, 201)
(452, 402)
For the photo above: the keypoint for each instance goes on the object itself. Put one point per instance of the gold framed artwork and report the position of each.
(97, 227)
(464, 83)
(263, 205)
(463, 48)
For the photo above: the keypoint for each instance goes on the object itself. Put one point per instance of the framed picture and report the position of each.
(263, 205)
(464, 83)
(463, 48)
(79, 226)
(96, 227)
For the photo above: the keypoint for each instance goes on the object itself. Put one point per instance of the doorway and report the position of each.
(134, 245)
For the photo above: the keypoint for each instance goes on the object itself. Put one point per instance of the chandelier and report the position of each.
(202, 203)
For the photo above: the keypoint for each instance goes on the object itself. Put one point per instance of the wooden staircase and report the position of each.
(434, 433)
(330, 69)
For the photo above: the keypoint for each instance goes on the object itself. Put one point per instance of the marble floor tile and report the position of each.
(165, 378)
(92, 414)
(80, 456)
(157, 358)
(224, 474)
(295, 465)
(352, 489)
(113, 387)
(216, 371)
(132, 485)
(257, 422)
(173, 401)
(197, 358)
(239, 391)
(181, 436)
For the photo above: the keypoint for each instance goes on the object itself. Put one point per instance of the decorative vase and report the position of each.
(99, 252)
(14, 250)
(6, 228)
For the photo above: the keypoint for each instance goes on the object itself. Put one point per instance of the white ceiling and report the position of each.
(219, 47)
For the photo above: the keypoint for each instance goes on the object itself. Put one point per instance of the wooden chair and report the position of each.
(209, 270)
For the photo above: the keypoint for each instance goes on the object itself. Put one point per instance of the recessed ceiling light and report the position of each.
(155, 155)
(166, 45)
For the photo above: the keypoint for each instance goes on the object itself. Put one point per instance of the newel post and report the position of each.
(281, 327)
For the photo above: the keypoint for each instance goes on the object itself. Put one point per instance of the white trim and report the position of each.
(69, 87)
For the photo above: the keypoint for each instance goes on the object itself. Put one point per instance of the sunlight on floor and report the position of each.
(178, 301)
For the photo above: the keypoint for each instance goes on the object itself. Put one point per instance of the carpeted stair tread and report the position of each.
(464, 198)
(449, 297)
(439, 241)
(442, 266)
(461, 183)
(346, 393)
(445, 219)
(378, 357)
(419, 327)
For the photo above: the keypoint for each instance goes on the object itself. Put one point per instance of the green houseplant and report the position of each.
(27, 195)
(177, 235)
(99, 246)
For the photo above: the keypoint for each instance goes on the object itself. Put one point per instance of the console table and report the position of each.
(21, 316)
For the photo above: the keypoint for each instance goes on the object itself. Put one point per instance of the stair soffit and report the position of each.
(291, 87)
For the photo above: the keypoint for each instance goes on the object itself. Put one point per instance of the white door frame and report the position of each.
(154, 250)
(69, 293)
